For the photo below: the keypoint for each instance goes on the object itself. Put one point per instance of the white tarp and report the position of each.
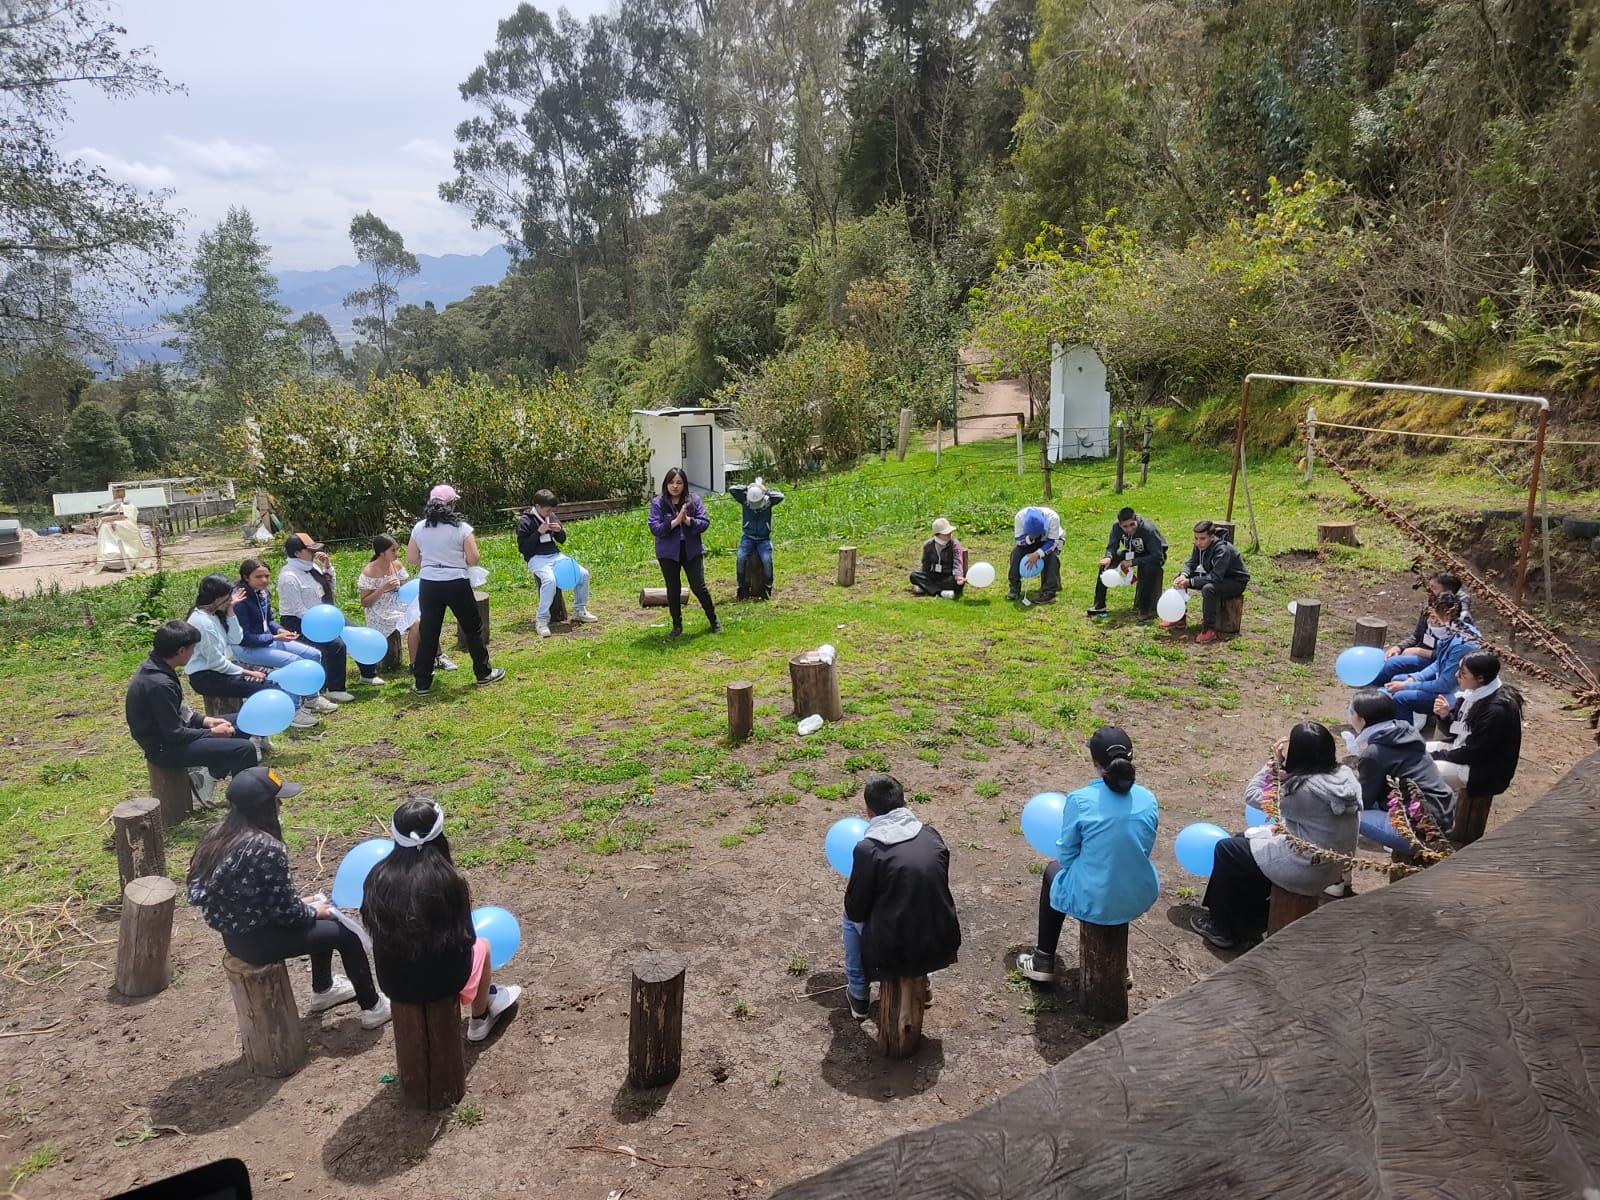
(121, 543)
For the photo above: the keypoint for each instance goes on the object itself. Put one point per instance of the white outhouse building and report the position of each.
(699, 440)
(1080, 404)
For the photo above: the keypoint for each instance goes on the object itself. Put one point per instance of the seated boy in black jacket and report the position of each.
(899, 917)
(169, 732)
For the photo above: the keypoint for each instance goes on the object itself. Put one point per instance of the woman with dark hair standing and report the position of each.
(239, 880)
(418, 911)
(1102, 873)
(211, 670)
(678, 519)
(443, 546)
(1318, 801)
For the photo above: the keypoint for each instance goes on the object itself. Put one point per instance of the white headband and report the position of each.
(417, 842)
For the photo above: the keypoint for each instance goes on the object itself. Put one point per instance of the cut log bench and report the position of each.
(1287, 907)
(901, 1003)
(137, 833)
(1339, 533)
(1303, 644)
(1103, 971)
(655, 1019)
(1371, 632)
(1472, 818)
(394, 661)
(1230, 614)
(144, 941)
(653, 597)
(815, 686)
(741, 709)
(270, 1035)
(847, 566)
(429, 1053)
(222, 706)
(170, 786)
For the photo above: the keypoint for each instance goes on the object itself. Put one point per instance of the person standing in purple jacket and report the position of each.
(678, 519)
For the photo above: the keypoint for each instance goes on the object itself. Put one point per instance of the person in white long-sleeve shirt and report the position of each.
(307, 580)
(211, 670)
(1038, 537)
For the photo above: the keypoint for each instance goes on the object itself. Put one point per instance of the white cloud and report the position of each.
(226, 160)
(141, 175)
(430, 152)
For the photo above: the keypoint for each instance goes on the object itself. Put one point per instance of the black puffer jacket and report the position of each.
(900, 892)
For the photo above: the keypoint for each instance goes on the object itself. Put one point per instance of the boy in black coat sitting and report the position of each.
(899, 917)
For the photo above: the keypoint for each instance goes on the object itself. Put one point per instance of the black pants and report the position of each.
(335, 659)
(1238, 894)
(1145, 593)
(231, 687)
(220, 756)
(456, 595)
(1212, 596)
(1049, 581)
(931, 583)
(695, 572)
(1051, 919)
(273, 943)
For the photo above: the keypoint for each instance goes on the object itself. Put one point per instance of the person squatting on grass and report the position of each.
(264, 642)
(899, 916)
(1135, 545)
(1102, 872)
(756, 502)
(170, 733)
(540, 536)
(944, 564)
(1414, 692)
(1037, 535)
(239, 880)
(211, 669)
(678, 518)
(1318, 801)
(442, 545)
(381, 608)
(1418, 652)
(308, 579)
(418, 911)
(1482, 729)
(1217, 569)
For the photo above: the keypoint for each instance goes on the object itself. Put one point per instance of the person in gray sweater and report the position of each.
(1390, 747)
(1318, 801)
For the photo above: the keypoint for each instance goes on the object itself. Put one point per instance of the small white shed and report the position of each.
(1080, 405)
(695, 439)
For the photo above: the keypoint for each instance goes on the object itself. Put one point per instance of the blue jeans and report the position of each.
(748, 546)
(543, 567)
(1400, 664)
(1375, 827)
(279, 654)
(1412, 703)
(855, 974)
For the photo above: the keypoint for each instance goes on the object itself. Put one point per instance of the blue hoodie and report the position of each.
(1106, 875)
(1438, 678)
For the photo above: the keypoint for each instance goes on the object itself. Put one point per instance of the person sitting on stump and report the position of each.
(1318, 802)
(1037, 539)
(1483, 729)
(211, 669)
(1217, 569)
(308, 578)
(755, 537)
(540, 538)
(1389, 746)
(1102, 872)
(1135, 545)
(1414, 692)
(944, 564)
(899, 917)
(1418, 652)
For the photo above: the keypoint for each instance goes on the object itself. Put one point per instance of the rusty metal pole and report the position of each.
(1533, 500)
(1238, 445)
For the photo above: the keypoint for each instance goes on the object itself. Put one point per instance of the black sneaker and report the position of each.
(1014, 597)
(1037, 966)
(716, 627)
(1094, 612)
(494, 676)
(675, 631)
(1046, 600)
(420, 691)
(1206, 926)
(859, 1006)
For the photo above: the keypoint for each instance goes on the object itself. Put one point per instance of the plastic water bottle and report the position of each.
(825, 652)
(810, 725)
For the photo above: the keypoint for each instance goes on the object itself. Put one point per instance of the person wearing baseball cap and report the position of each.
(308, 579)
(240, 881)
(443, 547)
(944, 564)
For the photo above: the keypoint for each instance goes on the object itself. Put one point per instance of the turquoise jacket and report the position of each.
(1106, 875)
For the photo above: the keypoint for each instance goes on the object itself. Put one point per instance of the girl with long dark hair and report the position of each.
(418, 911)
(678, 519)
(442, 545)
(382, 609)
(239, 880)
(265, 642)
(212, 670)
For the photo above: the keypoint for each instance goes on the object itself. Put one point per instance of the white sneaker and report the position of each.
(947, 594)
(374, 681)
(263, 746)
(443, 663)
(542, 630)
(302, 719)
(339, 697)
(377, 1015)
(500, 999)
(203, 784)
(320, 704)
(584, 616)
(342, 991)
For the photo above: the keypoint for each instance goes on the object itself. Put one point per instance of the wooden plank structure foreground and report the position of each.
(1437, 1037)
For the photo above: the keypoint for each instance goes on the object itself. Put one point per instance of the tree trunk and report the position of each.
(1371, 632)
(741, 709)
(269, 1021)
(1288, 907)
(1103, 971)
(1303, 645)
(815, 686)
(170, 785)
(137, 824)
(144, 942)
(847, 566)
(655, 1019)
(900, 1006)
(428, 1053)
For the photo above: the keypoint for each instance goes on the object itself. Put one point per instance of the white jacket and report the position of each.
(298, 588)
(212, 654)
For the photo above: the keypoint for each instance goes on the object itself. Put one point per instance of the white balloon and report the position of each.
(981, 575)
(1172, 605)
(1112, 577)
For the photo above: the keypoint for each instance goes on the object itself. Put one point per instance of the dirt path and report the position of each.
(988, 409)
(67, 559)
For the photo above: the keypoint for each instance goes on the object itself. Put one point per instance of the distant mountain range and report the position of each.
(442, 279)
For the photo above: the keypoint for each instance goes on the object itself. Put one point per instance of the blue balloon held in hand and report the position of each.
(321, 624)
(501, 930)
(1196, 846)
(840, 844)
(1041, 821)
(267, 712)
(1032, 570)
(1359, 665)
(350, 880)
(367, 646)
(300, 678)
(409, 591)
(566, 572)
(1255, 816)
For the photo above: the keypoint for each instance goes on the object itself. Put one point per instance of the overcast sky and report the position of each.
(306, 112)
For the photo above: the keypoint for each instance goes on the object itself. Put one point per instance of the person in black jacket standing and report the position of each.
(899, 917)
(1135, 544)
(1217, 568)
(166, 729)
(1483, 727)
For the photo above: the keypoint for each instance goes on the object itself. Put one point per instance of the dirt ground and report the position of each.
(67, 559)
(133, 1090)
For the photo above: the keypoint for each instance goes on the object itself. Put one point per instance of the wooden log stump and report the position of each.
(653, 597)
(1340, 533)
(1223, 530)
(483, 620)
(170, 785)
(1472, 818)
(1288, 907)
(394, 660)
(1371, 632)
(269, 1022)
(1230, 614)
(655, 1019)
(1303, 645)
(847, 566)
(901, 1003)
(222, 706)
(1103, 971)
(558, 608)
(428, 1053)
(754, 585)
(815, 686)
(144, 942)
(137, 826)
(741, 709)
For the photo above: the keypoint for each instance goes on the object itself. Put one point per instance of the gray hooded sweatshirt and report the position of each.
(1324, 810)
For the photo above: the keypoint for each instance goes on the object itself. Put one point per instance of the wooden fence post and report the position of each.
(904, 440)
(1303, 645)
(1122, 453)
(1144, 451)
(137, 825)
(144, 941)
(655, 1019)
(741, 709)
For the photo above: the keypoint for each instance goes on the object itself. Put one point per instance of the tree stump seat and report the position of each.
(901, 1004)
(270, 1035)
(1288, 907)
(429, 1052)
(171, 786)
(1230, 614)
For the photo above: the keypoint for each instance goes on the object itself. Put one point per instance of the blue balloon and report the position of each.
(1034, 571)
(840, 844)
(1255, 816)
(350, 880)
(566, 572)
(268, 712)
(1359, 665)
(1041, 821)
(366, 646)
(502, 931)
(300, 678)
(322, 623)
(409, 591)
(1196, 846)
